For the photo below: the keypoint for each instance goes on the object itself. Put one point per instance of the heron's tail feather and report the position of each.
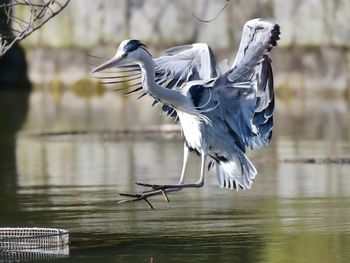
(238, 172)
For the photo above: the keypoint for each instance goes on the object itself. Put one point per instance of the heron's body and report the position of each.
(221, 114)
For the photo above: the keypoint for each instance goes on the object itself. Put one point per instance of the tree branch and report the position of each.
(215, 17)
(39, 12)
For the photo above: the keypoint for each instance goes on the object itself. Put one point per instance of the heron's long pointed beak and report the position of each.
(108, 64)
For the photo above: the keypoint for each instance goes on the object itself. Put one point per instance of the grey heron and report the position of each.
(221, 110)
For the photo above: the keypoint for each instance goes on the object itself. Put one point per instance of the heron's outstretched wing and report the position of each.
(182, 64)
(246, 89)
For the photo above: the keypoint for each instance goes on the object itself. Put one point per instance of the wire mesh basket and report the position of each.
(31, 238)
(28, 244)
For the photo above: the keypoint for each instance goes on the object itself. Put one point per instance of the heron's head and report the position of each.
(129, 51)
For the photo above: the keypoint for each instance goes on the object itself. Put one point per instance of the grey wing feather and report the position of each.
(246, 92)
(189, 62)
(182, 64)
(256, 31)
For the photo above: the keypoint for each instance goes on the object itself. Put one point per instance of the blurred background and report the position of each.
(63, 160)
(312, 58)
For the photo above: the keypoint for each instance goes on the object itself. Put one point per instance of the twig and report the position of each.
(217, 15)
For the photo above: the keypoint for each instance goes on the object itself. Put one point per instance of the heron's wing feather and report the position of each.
(182, 64)
(185, 63)
(256, 32)
(246, 89)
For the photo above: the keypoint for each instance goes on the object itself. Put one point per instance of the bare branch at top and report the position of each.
(20, 18)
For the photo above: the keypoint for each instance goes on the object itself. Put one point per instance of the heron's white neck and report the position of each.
(164, 95)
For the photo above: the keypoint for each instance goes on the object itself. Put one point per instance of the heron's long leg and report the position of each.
(184, 165)
(180, 185)
(203, 161)
(164, 189)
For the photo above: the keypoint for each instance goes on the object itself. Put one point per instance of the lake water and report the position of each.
(298, 209)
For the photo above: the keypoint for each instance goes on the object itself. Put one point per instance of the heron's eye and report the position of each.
(125, 55)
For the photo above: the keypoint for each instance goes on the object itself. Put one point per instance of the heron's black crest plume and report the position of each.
(134, 44)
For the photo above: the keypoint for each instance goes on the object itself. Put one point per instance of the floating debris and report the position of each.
(324, 160)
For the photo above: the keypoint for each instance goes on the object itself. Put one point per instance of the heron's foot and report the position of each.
(146, 194)
(136, 197)
(157, 189)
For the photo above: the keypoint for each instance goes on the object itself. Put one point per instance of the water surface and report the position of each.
(295, 211)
